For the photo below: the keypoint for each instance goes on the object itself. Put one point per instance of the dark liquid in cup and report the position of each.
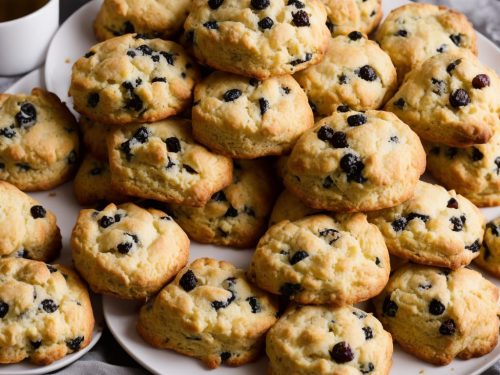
(12, 9)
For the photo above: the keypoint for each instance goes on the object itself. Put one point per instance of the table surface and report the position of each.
(107, 357)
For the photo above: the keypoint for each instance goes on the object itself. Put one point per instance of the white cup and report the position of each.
(24, 41)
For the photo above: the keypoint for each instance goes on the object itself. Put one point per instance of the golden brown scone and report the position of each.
(38, 140)
(489, 258)
(344, 16)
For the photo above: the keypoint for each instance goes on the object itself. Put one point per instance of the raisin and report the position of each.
(458, 223)
(353, 167)
(459, 98)
(212, 25)
(451, 152)
(26, 117)
(260, 4)
(413, 215)
(476, 154)
(131, 54)
(339, 140)
(49, 305)
(359, 314)
(343, 79)
(439, 86)
(286, 90)
(4, 309)
(124, 247)
(474, 247)
(231, 212)
(134, 103)
(389, 308)
(355, 35)
(368, 333)
(497, 163)
(289, 289)
(451, 67)
(72, 157)
(145, 49)
(447, 328)
(75, 343)
(442, 48)
(394, 139)
(254, 304)
(8, 132)
(106, 221)
(169, 57)
(89, 54)
(452, 203)
(357, 120)
(367, 73)
(330, 25)
(36, 344)
(125, 148)
(342, 353)
(325, 133)
(159, 79)
(265, 23)
(217, 305)
(330, 234)
(377, 261)
(402, 33)
(480, 81)
(296, 62)
(189, 169)
(367, 368)
(38, 212)
(399, 224)
(298, 4)
(263, 105)
(219, 196)
(231, 95)
(298, 256)
(425, 286)
(214, 4)
(224, 356)
(400, 103)
(254, 82)
(173, 144)
(456, 39)
(436, 307)
(343, 108)
(327, 182)
(188, 281)
(300, 18)
(494, 229)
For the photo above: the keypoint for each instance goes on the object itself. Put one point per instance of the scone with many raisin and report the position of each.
(258, 38)
(237, 215)
(355, 74)
(336, 260)
(355, 161)
(414, 32)
(323, 340)
(92, 184)
(247, 118)
(27, 229)
(210, 312)
(127, 251)
(38, 140)
(489, 258)
(45, 312)
(434, 227)
(162, 19)
(473, 171)
(344, 16)
(437, 314)
(132, 79)
(161, 161)
(451, 99)
(289, 207)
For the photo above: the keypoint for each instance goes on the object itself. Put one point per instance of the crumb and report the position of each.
(52, 194)
(67, 61)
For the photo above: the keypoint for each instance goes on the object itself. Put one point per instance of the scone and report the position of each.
(434, 227)
(437, 314)
(355, 74)
(45, 312)
(258, 38)
(289, 207)
(27, 229)
(320, 259)
(355, 161)
(92, 184)
(154, 18)
(236, 216)
(414, 32)
(489, 258)
(161, 161)
(210, 312)
(451, 99)
(132, 79)
(38, 140)
(344, 16)
(473, 172)
(128, 251)
(323, 340)
(94, 137)
(247, 118)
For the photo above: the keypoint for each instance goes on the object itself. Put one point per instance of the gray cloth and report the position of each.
(107, 357)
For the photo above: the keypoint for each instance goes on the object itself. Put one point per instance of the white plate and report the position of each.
(73, 39)
(64, 206)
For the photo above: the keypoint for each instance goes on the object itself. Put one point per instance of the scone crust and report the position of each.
(489, 257)
(41, 151)
(127, 251)
(249, 50)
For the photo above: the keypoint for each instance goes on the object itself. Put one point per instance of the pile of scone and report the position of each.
(189, 139)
